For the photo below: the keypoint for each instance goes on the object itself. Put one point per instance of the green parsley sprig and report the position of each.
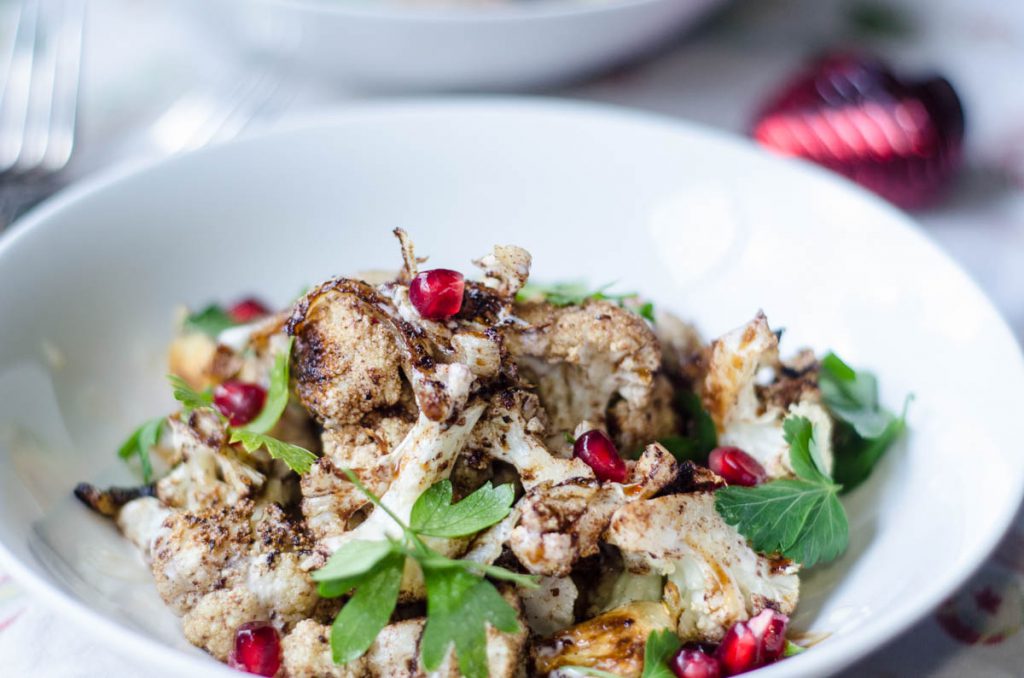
(140, 442)
(252, 436)
(460, 599)
(792, 649)
(660, 647)
(575, 293)
(800, 518)
(864, 429)
(210, 321)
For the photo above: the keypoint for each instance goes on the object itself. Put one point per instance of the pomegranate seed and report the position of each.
(239, 401)
(751, 644)
(770, 627)
(736, 466)
(598, 451)
(693, 662)
(247, 310)
(437, 294)
(257, 649)
(739, 651)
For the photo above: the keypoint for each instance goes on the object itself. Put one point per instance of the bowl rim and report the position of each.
(498, 12)
(825, 660)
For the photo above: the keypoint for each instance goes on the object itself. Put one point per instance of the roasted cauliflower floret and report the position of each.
(425, 456)
(140, 521)
(613, 641)
(243, 546)
(551, 606)
(749, 413)
(511, 431)
(210, 472)
(368, 448)
(633, 429)
(211, 624)
(195, 553)
(558, 524)
(714, 579)
(581, 357)
(506, 269)
(346, 359)
(306, 653)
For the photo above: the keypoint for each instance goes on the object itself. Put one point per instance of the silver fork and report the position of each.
(39, 75)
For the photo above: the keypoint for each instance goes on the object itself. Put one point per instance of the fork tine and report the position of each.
(36, 134)
(65, 95)
(14, 107)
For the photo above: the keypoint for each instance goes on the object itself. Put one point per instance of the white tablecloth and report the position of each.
(140, 58)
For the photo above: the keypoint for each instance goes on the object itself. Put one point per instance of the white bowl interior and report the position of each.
(707, 226)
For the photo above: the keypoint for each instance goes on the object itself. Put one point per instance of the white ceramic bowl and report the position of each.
(410, 45)
(708, 225)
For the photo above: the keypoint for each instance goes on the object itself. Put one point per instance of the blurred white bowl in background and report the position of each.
(450, 44)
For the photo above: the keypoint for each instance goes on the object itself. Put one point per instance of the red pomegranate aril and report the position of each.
(239, 401)
(247, 310)
(693, 662)
(257, 649)
(754, 643)
(437, 294)
(599, 453)
(770, 627)
(740, 650)
(736, 466)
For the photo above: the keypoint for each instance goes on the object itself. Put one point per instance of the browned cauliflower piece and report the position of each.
(633, 429)
(511, 431)
(195, 553)
(329, 500)
(425, 456)
(713, 578)
(209, 472)
(140, 521)
(243, 546)
(558, 524)
(346, 359)
(306, 653)
(581, 357)
(749, 409)
(506, 269)
(551, 606)
(212, 623)
(613, 641)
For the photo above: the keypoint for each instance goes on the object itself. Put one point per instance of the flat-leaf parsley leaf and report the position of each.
(189, 398)
(460, 601)
(211, 321)
(660, 647)
(277, 393)
(576, 292)
(799, 518)
(299, 459)
(864, 430)
(434, 515)
(140, 442)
